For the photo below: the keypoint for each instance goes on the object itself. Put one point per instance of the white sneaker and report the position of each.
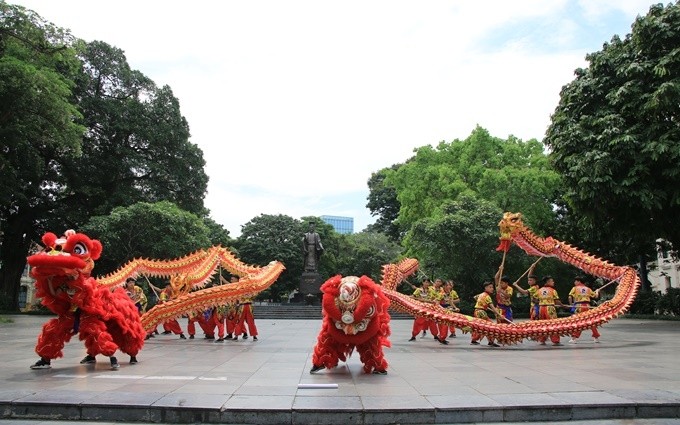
(572, 341)
(596, 340)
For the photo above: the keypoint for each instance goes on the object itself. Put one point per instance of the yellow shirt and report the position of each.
(435, 294)
(420, 293)
(533, 290)
(484, 301)
(547, 296)
(449, 298)
(581, 294)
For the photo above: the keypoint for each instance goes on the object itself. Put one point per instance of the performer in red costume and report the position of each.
(580, 297)
(354, 316)
(547, 299)
(104, 320)
(245, 318)
(171, 325)
(200, 318)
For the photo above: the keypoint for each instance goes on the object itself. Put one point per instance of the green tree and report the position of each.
(514, 175)
(365, 253)
(383, 203)
(274, 237)
(458, 242)
(137, 145)
(158, 230)
(614, 136)
(218, 235)
(38, 132)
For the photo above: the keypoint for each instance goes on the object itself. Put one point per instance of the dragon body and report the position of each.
(514, 229)
(188, 276)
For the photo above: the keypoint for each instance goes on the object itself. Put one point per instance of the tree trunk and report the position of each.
(15, 245)
(646, 284)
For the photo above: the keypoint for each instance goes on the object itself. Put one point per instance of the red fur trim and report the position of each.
(108, 321)
(367, 299)
(334, 345)
(48, 239)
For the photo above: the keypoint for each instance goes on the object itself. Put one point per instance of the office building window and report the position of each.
(344, 225)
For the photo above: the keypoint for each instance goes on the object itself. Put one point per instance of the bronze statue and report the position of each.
(311, 245)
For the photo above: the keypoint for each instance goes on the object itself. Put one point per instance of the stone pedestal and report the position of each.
(310, 287)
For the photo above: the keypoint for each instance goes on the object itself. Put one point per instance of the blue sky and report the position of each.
(295, 103)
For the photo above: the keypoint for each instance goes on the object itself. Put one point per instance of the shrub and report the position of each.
(669, 303)
(645, 303)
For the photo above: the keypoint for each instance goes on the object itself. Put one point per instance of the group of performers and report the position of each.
(495, 303)
(231, 320)
(436, 293)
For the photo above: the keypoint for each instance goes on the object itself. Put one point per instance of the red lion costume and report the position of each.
(354, 315)
(105, 320)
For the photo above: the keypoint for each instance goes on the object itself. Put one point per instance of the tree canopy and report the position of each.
(383, 203)
(512, 174)
(137, 145)
(38, 131)
(458, 243)
(365, 253)
(614, 135)
(158, 230)
(274, 237)
(81, 134)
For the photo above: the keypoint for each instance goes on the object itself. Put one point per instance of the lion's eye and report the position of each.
(80, 249)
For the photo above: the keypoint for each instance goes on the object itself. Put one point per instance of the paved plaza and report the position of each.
(632, 376)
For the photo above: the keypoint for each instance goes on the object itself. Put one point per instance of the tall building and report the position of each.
(344, 225)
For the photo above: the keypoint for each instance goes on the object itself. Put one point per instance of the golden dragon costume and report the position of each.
(513, 229)
(192, 272)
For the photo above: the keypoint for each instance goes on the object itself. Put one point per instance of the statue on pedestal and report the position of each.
(312, 248)
(310, 281)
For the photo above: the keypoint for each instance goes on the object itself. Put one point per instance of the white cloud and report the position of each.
(296, 103)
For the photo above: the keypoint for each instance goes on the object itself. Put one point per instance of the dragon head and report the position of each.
(70, 255)
(509, 223)
(181, 284)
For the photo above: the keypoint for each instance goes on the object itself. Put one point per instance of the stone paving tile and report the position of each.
(451, 387)
(248, 402)
(649, 396)
(462, 401)
(122, 398)
(634, 371)
(341, 391)
(7, 396)
(200, 388)
(398, 391)
(533, 399)
(50, 397)
(266, 390)
(202, 401)
(327, 403)
(591, 398)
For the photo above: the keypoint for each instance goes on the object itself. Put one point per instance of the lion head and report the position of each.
(351, 303)
(69, 255)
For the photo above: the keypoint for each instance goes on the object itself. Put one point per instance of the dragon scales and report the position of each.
(513, 228)
(188, 276)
